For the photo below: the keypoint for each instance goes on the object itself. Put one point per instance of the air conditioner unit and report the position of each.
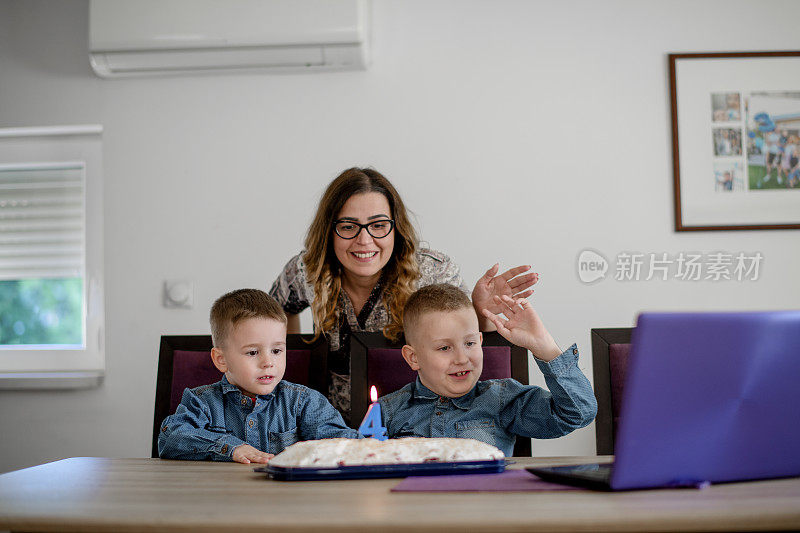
(157, 37)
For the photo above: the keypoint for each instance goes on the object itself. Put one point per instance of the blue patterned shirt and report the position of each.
(212, 420)
(496, 411)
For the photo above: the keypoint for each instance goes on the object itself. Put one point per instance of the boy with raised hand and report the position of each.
(448, 400)
(251, 414)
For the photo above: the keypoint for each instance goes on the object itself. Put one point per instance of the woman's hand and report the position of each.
(510, 283)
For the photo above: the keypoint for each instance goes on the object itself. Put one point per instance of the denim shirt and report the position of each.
(212, 420)
(496, 411)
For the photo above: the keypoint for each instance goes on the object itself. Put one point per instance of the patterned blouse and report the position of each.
(295, 294)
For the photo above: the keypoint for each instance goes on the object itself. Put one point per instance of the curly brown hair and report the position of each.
(323, 269)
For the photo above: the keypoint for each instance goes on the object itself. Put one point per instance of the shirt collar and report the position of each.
(462, 402)
(423, 392)
(227, 387)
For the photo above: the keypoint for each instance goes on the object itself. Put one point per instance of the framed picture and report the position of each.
(736, 140)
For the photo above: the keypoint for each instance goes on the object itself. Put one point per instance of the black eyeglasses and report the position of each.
(347, 229)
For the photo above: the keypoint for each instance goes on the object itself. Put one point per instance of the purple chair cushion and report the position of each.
(388, 371)
(191, 369)
(618, 364)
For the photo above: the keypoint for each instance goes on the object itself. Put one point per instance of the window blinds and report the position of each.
(42, 220)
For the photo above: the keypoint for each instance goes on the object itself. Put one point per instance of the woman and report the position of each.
(361, 262)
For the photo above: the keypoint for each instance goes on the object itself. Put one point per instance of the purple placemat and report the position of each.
(508, 481)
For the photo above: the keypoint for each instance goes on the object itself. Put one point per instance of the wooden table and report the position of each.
(96, 494)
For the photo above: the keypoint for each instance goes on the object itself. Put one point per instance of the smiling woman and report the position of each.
(361, 263)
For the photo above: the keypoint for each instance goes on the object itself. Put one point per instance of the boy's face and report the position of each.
(446, 351)
(253, 356)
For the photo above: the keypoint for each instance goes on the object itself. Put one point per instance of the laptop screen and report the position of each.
(710, 397)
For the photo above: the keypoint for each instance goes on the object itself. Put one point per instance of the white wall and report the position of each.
(516, 131)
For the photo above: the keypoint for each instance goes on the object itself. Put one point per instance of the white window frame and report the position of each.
(71, 367)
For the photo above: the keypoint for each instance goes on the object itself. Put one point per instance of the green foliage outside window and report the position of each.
(41, 311)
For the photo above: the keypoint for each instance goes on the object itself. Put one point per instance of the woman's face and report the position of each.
(365, 256)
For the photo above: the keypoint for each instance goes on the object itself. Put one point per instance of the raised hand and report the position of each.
(523, 327)
(513, 283)
(245, 453)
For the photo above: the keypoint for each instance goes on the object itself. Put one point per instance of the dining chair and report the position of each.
(610, 350)
(184, 361)
(375, 360)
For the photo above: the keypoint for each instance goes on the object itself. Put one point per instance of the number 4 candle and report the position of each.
(371, 425)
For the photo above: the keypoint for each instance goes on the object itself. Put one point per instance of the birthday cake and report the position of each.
(331, 453)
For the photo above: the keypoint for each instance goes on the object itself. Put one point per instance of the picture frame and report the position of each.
(736, 140)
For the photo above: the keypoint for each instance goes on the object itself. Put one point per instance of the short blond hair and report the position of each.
(238, 305)
(440, 297)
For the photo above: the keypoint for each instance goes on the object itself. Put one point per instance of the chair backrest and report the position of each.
(184, 361)
(610, 350)
(375, 360)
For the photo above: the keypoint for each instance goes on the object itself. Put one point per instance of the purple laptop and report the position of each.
(708, 397)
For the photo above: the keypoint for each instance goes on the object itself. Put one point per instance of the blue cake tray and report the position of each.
(383, 471)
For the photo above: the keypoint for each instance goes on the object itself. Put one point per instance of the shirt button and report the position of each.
(575, 351)
(225, 448)
(244, 401)
(164, 429)
(251, 422)
(438, 413)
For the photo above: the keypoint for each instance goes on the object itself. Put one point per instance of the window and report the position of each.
(51, 267)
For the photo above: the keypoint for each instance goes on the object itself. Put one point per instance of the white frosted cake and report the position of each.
(333, 453)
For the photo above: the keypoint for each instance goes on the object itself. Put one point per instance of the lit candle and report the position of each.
(371, 425)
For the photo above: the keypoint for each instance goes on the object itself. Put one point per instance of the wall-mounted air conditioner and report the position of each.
(156, 37)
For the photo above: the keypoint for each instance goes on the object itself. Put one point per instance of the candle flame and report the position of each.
(373, 394)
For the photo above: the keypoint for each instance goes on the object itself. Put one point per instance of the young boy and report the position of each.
(447, 400)
(250, 414)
